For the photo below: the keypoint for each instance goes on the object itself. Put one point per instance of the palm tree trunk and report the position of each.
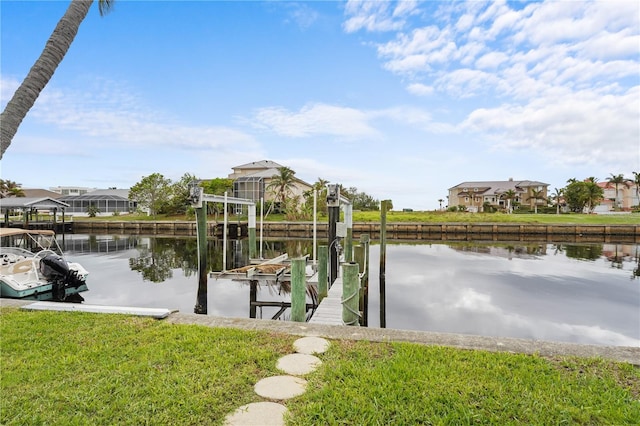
(57, 46)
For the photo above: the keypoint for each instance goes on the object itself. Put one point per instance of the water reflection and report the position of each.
(586, 293)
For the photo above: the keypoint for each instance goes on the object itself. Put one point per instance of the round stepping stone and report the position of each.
(311, 345)
(258, 414)
(280, 387)
(298, 364)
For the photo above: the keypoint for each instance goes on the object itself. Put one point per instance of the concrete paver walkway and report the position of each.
(281, 388)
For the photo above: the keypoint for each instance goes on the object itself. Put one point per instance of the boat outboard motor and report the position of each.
(56, 269)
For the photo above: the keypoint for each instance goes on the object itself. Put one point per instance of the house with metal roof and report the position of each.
(250, 181)
(473, 195)
(108, 202)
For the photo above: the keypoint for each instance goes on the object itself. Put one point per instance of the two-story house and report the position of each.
(473, 195)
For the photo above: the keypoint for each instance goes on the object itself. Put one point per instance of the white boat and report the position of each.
(32, 266)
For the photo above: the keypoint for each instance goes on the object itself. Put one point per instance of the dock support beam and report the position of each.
(350, 294)
(298, 290)
(252, 232)
(384, 206)
(348, 241)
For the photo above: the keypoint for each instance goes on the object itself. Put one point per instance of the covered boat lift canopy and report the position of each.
(24, 203)
(28, 204)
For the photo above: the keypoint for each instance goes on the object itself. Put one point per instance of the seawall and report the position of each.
(395, 231)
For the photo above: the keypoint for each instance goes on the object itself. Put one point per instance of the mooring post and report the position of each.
(201, 224)
(298, 290)
(252, 231)
(323, 255)
(350, 293)
(384, 205)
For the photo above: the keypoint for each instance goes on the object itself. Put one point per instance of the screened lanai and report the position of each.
(249, 188)
(106, 204)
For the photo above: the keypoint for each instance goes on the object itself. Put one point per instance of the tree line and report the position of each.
(159, 195)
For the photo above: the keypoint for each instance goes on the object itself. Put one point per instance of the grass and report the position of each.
(421, 216)
(75, 368)
(82, 369)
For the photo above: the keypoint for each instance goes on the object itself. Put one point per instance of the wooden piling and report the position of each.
(201, 222)
(298, 290)
(323, 265)
(350, 293)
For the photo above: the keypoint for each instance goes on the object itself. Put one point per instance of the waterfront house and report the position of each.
(474, 195)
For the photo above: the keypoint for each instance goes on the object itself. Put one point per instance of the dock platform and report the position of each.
(330, 309)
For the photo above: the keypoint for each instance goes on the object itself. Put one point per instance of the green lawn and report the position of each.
(91, 369)
(426, 216)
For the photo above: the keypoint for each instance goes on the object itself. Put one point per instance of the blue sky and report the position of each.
(401, 100)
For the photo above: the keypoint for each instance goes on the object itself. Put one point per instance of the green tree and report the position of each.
(581, 196)
(39, 75)
(153, 192)
(321, 187)
(281, 185)
(93, 210)
(509, 195)
(556, 197)
(217, 186)
(636, 182)
(180, 200)
(9, 188)
(616, 181)
(536, 194)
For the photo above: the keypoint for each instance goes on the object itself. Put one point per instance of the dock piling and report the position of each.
(298, 290)
(323, 258)
(350, 293)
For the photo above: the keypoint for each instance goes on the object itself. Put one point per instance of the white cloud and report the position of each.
(109, 112)
(568, 128)
(420, 89)
(491, 60)
(378, 15)
(315, 119)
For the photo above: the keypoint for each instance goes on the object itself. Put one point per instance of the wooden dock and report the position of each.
(330, 309)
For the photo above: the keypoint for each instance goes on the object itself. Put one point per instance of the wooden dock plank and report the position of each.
(330, 309)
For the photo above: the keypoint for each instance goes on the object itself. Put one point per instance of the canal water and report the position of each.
(582, 293)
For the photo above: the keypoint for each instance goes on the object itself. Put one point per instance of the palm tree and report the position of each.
(536, 194)
(9, 188)
(617, 180)
(39, 75)
(556, 196)
(509, 195)
(281, 184)
(636, 182)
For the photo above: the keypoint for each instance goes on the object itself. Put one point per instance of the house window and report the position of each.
(475, 189)
(466, 199)
(465, 189)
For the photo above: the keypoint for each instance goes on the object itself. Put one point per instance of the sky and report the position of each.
(399, 99)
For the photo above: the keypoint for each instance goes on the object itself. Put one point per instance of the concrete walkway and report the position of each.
(279, 388)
